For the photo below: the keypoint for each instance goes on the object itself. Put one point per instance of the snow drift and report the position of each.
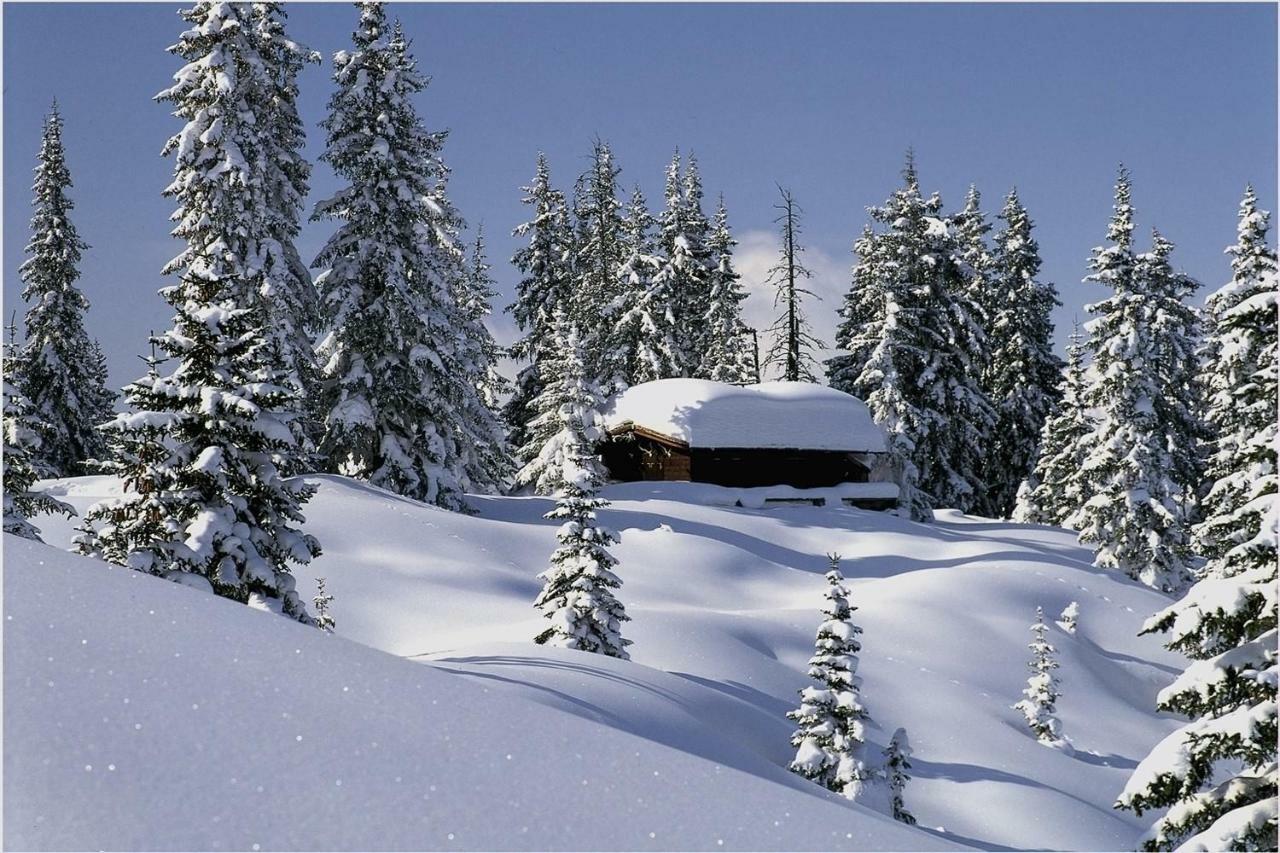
(688, 741)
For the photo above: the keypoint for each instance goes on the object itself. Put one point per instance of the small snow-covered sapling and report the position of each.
(1042, 687)
(322, 601)
(1069, 616)
(897, 762)
(831, 719)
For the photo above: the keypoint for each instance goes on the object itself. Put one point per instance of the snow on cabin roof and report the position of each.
(702, 413)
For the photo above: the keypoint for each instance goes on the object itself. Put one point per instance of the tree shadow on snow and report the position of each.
(702, 739)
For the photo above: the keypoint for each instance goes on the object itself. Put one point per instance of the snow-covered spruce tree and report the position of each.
(831, 721)
(897, 761)
(878, 343)
(1042, 687)
(1217, 774)
(21, 443)
(726, 355)
(1069, 617)
(206, 504)
(684, 274)
(59, 370)
(322, 602)
(564, 381)
(1054, 489)
(693, 298)
(1021, 372)
(1241, 401)
(794, 344)
(598, 257)
(578, 595)
(912, 344)
(546, 267)
(286, 279)
(487, 465)
(1132, 513)
(644, 342)
(400, 387)
(1176, 330)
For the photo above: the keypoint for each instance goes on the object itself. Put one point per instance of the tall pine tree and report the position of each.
(1054, 490)
(645, 342)
(399, 386)
(726, 354)
(59, 372)
(1021, 373)
(913, 345)
(206, 503)
(578, 595)
(286, 279)
(599, 251)
(683, 277)
(1217, 774)
(1132, 513)
(546, 266)
(488, 466)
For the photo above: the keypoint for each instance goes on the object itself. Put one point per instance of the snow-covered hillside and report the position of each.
(688, 741)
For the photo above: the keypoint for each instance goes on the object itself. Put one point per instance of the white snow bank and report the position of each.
(140, 714)
(769, 415)
(723, 604)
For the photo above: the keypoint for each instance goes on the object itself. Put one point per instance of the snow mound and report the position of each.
(702, 413)
(724, 603)
(140, 714)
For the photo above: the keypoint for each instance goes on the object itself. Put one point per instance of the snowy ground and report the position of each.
(188, 709)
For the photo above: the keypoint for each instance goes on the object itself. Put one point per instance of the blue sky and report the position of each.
(823, 99)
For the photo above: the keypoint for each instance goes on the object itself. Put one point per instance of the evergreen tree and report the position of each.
(1241, 402)
(831, 719)
(1217, 774)
(1021, 373)
(1042, 687)
(1132, 513)
(323, 601)
(286, 279)
(488, 464)
(726, 354)
(681, 243)
(598, 257)
(693, 295)
(206, 504)
(1069, 617)
(913, 347)
(21, 443)
(1176, 332)
(578, 595)
(1055, 489)
(399, 381)
(546, 265)
(897, 761)
(60, 372)
(644, 345)
(794, 344)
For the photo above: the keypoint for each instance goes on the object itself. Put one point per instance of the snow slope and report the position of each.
(687, 741)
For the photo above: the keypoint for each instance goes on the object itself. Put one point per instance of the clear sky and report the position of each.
(823, 99)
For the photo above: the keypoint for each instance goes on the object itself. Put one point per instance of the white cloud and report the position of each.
(756, 253)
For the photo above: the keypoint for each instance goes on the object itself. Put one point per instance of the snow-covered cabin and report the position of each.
(776, 433)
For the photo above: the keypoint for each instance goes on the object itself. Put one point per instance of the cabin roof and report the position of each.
(701, 413)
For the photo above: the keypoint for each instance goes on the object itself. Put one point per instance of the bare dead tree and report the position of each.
(794, 344)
